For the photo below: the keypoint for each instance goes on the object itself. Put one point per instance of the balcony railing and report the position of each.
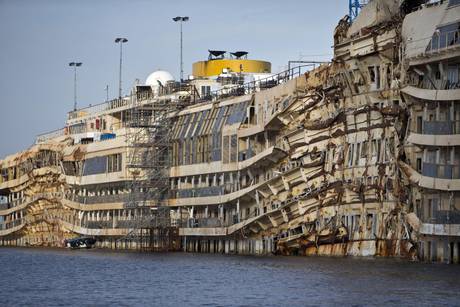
(100, 199)
(198, 192)
(442, 171)
(444, 40)
(42, 138)
(108, 105)
(9, 225)
(113, 222)
(210, 222)
(427, 84)
(441, 127)
(443, 217)
(258, 85)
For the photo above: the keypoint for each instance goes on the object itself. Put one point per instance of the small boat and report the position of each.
(81, 242)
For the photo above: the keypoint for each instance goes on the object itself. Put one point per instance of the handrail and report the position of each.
(443, 41)
(100, 107)
(127, 100)
(257, 85)
(427, 84)
(43, 137)
(11, 224)
(443, 217)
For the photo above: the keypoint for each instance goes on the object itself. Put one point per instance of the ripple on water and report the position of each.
(95, 277)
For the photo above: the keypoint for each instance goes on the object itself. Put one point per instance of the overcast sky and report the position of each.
(40, 38)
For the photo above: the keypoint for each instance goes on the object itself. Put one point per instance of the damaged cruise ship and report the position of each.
(359, 156)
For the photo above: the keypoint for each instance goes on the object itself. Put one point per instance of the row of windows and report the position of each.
(198, 137)
(100, 165)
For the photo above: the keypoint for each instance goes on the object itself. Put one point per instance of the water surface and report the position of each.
(37, 277)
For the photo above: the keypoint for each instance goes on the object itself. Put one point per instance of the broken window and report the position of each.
(350, 154)
(364, 149)
(4, 174)
(369, 218)
(376, 180)
(374, 75)
(358, 222)
(370, 180)
(419, 124)
(374, 149)
(371, 74)
(419, 165)
(358, 148)
(70, 168)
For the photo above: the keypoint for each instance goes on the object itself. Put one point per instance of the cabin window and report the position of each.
(374, 75)
(364, 149)
(233, 148)
(205, 90)
(419, 165)
(358, 148)
(419, 124)
(114, 163)
(225, 149)
(350, 154)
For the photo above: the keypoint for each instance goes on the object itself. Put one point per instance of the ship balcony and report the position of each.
(442, 171)
(23, 202)
(210, 222)
(99, 202)
(436, 133)
(440, 47)
(427, 92)
(431, 229)
(15, 205)
(430, 181)
(446, 217)
(47, 136)
(441, 127)
(255, 221)
(105, 227)
(97, 199)
(200, 192)
(7, 228)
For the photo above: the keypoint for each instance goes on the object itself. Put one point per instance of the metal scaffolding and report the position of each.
(148, 153)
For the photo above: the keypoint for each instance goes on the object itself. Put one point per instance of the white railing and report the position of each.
(42, 138)
(105, 106)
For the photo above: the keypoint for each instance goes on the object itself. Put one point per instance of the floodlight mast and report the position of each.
(120, 41)
(181, 19)
(75, 65)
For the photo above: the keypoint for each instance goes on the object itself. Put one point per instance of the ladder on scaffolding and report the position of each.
(148, 153)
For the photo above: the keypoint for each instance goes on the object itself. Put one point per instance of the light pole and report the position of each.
(181, 19)
(121, 41)
(107, 92)
(75, 65)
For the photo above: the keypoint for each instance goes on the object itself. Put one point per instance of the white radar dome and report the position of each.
(159, 76)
